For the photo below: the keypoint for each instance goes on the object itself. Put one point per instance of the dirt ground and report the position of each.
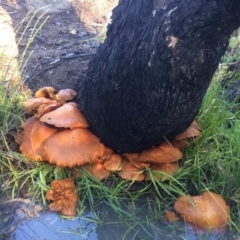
(59, 53)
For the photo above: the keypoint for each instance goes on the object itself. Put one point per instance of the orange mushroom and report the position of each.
(130, 172)
(31, 138)
(99, 172)
(208, 210)
(63, 193)
(184, 139)
(162, 172)
(31, 105)
(66, 116)
(72, 147)
(164, 153)
(133, 158)
(114, 164)
(46, 92)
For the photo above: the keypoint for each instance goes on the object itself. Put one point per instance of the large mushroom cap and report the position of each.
(66, 116)
(72, 147)
(64, 197)
(164, 153)
(30, 140)
(208, 210)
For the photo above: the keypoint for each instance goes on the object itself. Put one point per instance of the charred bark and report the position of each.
(148, 79)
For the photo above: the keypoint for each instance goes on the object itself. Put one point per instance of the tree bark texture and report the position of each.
(147, 81)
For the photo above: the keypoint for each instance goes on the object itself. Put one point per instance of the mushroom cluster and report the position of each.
(207, 211)
(57, 132)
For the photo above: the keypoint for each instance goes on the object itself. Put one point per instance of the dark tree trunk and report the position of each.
(148, 79)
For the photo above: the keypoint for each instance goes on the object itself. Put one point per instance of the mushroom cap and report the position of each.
(64, 197)
(66, 94)
(66, 116)
(130, 172)
(46, 108)
(107, 154)
(72, 147)
(190, 132)
(45, 92)
(208, 210)
(164, 153)
(31, 138)
(113, 164)
(133, 158)
(31, 105)
(162, 171)
(99, 172)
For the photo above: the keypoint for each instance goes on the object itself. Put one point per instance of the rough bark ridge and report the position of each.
(147, 81)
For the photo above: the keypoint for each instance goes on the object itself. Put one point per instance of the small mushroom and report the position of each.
(114, 164)
(72, 147)
(66, 116)
(66, 94)
(133, 158)
(46, 92)
(99, 172)
(162, 171)
(63, 193)
(164, 153)
(208, 210)
(31, 138)
(184, 139)
(130, 172)
(46, 108)
(31, 105)
(107, 154)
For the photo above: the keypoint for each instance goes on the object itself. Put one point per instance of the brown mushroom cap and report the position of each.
(133, 158)
(208, 210)
(64, 197)
(113, 164)
(162, 171)
(66, 116)
(30, 140)
(99, 172)
(31, 105)
(164, 153)
(130, 172)
(72, 147)
(45, 92)
(66, 94)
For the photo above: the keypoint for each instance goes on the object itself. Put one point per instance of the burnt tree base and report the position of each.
(148, 79)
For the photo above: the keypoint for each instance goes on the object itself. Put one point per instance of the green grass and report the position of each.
(211, 163)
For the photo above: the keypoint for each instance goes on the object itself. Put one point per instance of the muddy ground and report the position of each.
(59, 53)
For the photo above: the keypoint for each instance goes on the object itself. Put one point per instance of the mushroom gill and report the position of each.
(64, 197)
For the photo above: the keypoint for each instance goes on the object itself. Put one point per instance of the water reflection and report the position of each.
(50, 226)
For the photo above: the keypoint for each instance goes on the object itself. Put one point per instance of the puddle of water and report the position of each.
(50, 226)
